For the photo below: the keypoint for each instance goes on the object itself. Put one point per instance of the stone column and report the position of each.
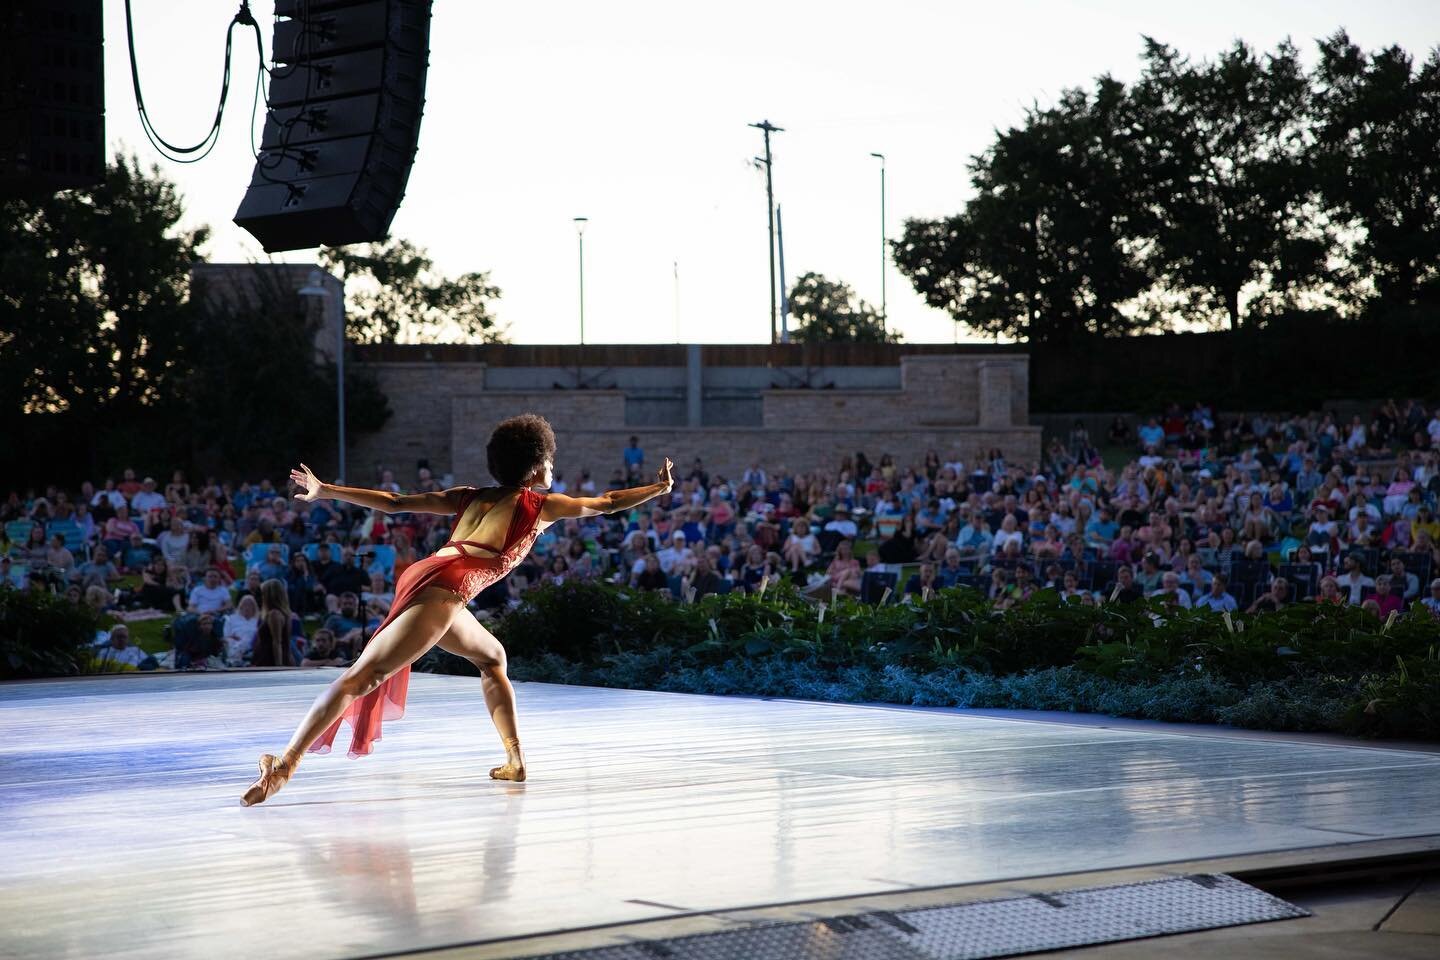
(694, 385)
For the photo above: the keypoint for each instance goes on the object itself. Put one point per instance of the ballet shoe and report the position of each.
(274, 774)
(514, 767)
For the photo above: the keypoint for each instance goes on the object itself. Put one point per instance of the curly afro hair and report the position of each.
(518, 447)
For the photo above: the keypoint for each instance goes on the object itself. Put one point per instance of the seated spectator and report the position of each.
(1386, 597)
(1432, 602)
(1274, 599)
(842, 524)
(238, 629)
(1196, 578)
(1217, 598)
(1070, 587)
(1009, 533)
(1151, 434)
(98, 570)
(801, 548)
(1330, 592)
(1101, 530)
(1150, 576)
(12, 576)
(1170, 590)
(197, 638)
(251, 586)
(379, 594)
(118, 530)
(307, 595)
(210, 596)
(975, 542)
(116, 653)
(672, 554)
(925, 582)
(347, 624)
(1353, 580)
(137, 554)
(900, 546)
(651, 577)
(162, 587)
(273, 566)
(1125, 589)
(59, 560)
(174, 541)
(322, 651)
(704, 580)
(1403, 582)
(842, 575)
(953, 569)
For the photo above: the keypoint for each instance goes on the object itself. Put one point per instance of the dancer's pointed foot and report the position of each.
(275, 772)
(514, 768)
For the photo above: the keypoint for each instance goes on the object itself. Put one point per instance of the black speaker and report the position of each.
(52, 95)
(345, 101)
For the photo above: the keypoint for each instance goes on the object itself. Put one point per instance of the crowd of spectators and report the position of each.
(1234, 513)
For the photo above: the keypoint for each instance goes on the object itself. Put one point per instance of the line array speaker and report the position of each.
(346, 97)
(52, 95)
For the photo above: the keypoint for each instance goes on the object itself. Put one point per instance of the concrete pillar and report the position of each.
(995, 386)
(694, 385)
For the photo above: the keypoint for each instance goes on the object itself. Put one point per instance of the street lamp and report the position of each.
(315, 288)
(883, 312)
(580, 223)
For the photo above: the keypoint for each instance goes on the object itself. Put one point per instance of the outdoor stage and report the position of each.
(124, 835)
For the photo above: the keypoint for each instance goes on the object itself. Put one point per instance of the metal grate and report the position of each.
(986, 928)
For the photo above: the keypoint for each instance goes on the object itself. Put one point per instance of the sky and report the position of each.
(635, 115)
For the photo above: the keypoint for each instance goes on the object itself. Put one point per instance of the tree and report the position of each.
(827, 311)
(256, 399)
(94, 317)
(95, 322)
(394, 295)
(1043, 252)
(1378, 130)
(1224, 171)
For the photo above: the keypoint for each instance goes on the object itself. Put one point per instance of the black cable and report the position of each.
(242, 17)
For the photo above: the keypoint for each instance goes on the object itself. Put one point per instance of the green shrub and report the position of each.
(43, 635)
(1307, 667)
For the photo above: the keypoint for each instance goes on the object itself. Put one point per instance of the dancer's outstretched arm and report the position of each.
(560, 507)
(442, 502)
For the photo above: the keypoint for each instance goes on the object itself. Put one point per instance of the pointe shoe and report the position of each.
(514, 768)
(274, 774)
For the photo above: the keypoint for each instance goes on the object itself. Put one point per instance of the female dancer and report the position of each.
(431, 594)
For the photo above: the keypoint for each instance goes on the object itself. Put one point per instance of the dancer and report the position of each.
(430, 596)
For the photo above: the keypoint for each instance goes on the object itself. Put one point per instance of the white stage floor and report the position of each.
(124, 836)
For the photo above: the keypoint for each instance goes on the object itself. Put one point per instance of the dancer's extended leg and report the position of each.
(402, 641)
(469, 639)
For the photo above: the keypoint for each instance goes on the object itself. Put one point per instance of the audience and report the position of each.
(1226, 513)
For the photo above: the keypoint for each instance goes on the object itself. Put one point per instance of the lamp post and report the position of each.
(580, 223)
(883, 313)
(315, 288)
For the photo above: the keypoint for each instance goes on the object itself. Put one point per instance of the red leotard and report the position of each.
(463, 575)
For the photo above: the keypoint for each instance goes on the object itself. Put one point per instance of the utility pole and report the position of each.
(768, 128)
(883, 258)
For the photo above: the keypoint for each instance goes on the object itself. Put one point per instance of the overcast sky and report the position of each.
(635, 115)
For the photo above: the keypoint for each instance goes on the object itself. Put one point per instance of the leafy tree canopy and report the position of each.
(394, 295)
(826, 311)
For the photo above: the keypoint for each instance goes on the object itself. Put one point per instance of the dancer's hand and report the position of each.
(306, 479)
(663, 475)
